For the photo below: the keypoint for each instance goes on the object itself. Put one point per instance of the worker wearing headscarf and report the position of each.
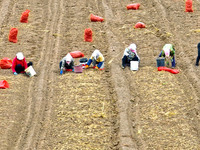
(168, 52)
(19, 64)
(130, 54)
(67, 63)
(97, 59)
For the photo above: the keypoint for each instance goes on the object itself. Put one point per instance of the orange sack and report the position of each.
(134, 6)
(139, 25)
(4, 84)
(88, 35)
(96, 18)
(5, 63)
(13, 35)
(24, 16)
(76, 54)
(174, 71)
(188, 6)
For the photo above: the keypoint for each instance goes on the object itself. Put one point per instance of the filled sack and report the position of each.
(5, 63)
(4, 84)
(76, 54)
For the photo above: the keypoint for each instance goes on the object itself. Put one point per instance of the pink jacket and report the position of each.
(16, 62)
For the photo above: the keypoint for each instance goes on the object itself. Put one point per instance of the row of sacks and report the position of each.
(188, 6)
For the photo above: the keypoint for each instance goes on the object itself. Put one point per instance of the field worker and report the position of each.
(168, 52)
(19, 64)
(198, 57)
(67, 63)
(130, 54)
(97, 60)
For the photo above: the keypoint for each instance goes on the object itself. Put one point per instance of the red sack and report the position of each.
(76, 54)
(188, 6)
(5, 63)
(24, 16)
(4, 84)
(134, 6)
(139, 25)
(96, 18)
(174, 71)
(13, 35)
(88, 35)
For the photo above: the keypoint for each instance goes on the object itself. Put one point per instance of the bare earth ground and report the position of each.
(110, 109)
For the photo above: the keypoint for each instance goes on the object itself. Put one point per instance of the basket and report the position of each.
(83, 62)
(30, 71)
(160, 62)
(134, 65)
(78, 69)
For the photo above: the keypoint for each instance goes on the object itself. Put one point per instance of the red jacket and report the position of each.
(21, 62)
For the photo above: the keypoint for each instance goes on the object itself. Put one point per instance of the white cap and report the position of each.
(20, 56)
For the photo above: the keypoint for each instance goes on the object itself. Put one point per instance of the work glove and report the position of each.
(86, 66)
(61, 72)
(15, 73)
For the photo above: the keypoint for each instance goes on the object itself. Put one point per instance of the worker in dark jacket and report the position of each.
(168, 52)
(198, 57)
(67, 63)
(19, 64)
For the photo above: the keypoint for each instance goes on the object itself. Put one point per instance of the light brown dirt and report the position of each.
(110, 109)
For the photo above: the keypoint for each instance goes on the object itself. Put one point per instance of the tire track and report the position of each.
(52, 77)
(38, 89)
(123, 102)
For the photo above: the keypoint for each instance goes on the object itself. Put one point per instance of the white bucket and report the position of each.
(134, 65)
(30, 71)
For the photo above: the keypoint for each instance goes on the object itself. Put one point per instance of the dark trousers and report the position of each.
(19, 68)
(198, 57)
(172, 60)
(126, 61)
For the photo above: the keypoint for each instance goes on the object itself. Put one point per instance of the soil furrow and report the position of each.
(30, 136)
(123, 94)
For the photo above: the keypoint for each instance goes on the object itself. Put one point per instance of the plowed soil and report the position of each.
(100, 110)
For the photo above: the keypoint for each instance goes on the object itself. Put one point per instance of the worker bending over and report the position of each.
(67, 63)
(168, 52)
(97, 60)
(130, 54)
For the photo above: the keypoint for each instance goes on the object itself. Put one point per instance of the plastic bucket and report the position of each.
(30, 71)
(134, 65)
(78, 69)
(160, 62)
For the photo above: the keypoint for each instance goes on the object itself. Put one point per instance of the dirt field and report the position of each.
(100, 110)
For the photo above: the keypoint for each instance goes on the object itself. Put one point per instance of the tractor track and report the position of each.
(40, 100)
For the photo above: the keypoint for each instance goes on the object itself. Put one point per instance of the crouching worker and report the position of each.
(97, 60)
(168, 52)
(130, 54)
(67, 63)
(19, 64)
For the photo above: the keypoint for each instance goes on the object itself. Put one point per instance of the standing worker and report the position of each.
(168, 52)
(19, 64)
(97, 60)
(67, 63)
(198, 57)
(130, 54)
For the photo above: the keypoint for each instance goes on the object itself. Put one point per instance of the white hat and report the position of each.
(20, 56)
(167, 51)
(132, 47)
